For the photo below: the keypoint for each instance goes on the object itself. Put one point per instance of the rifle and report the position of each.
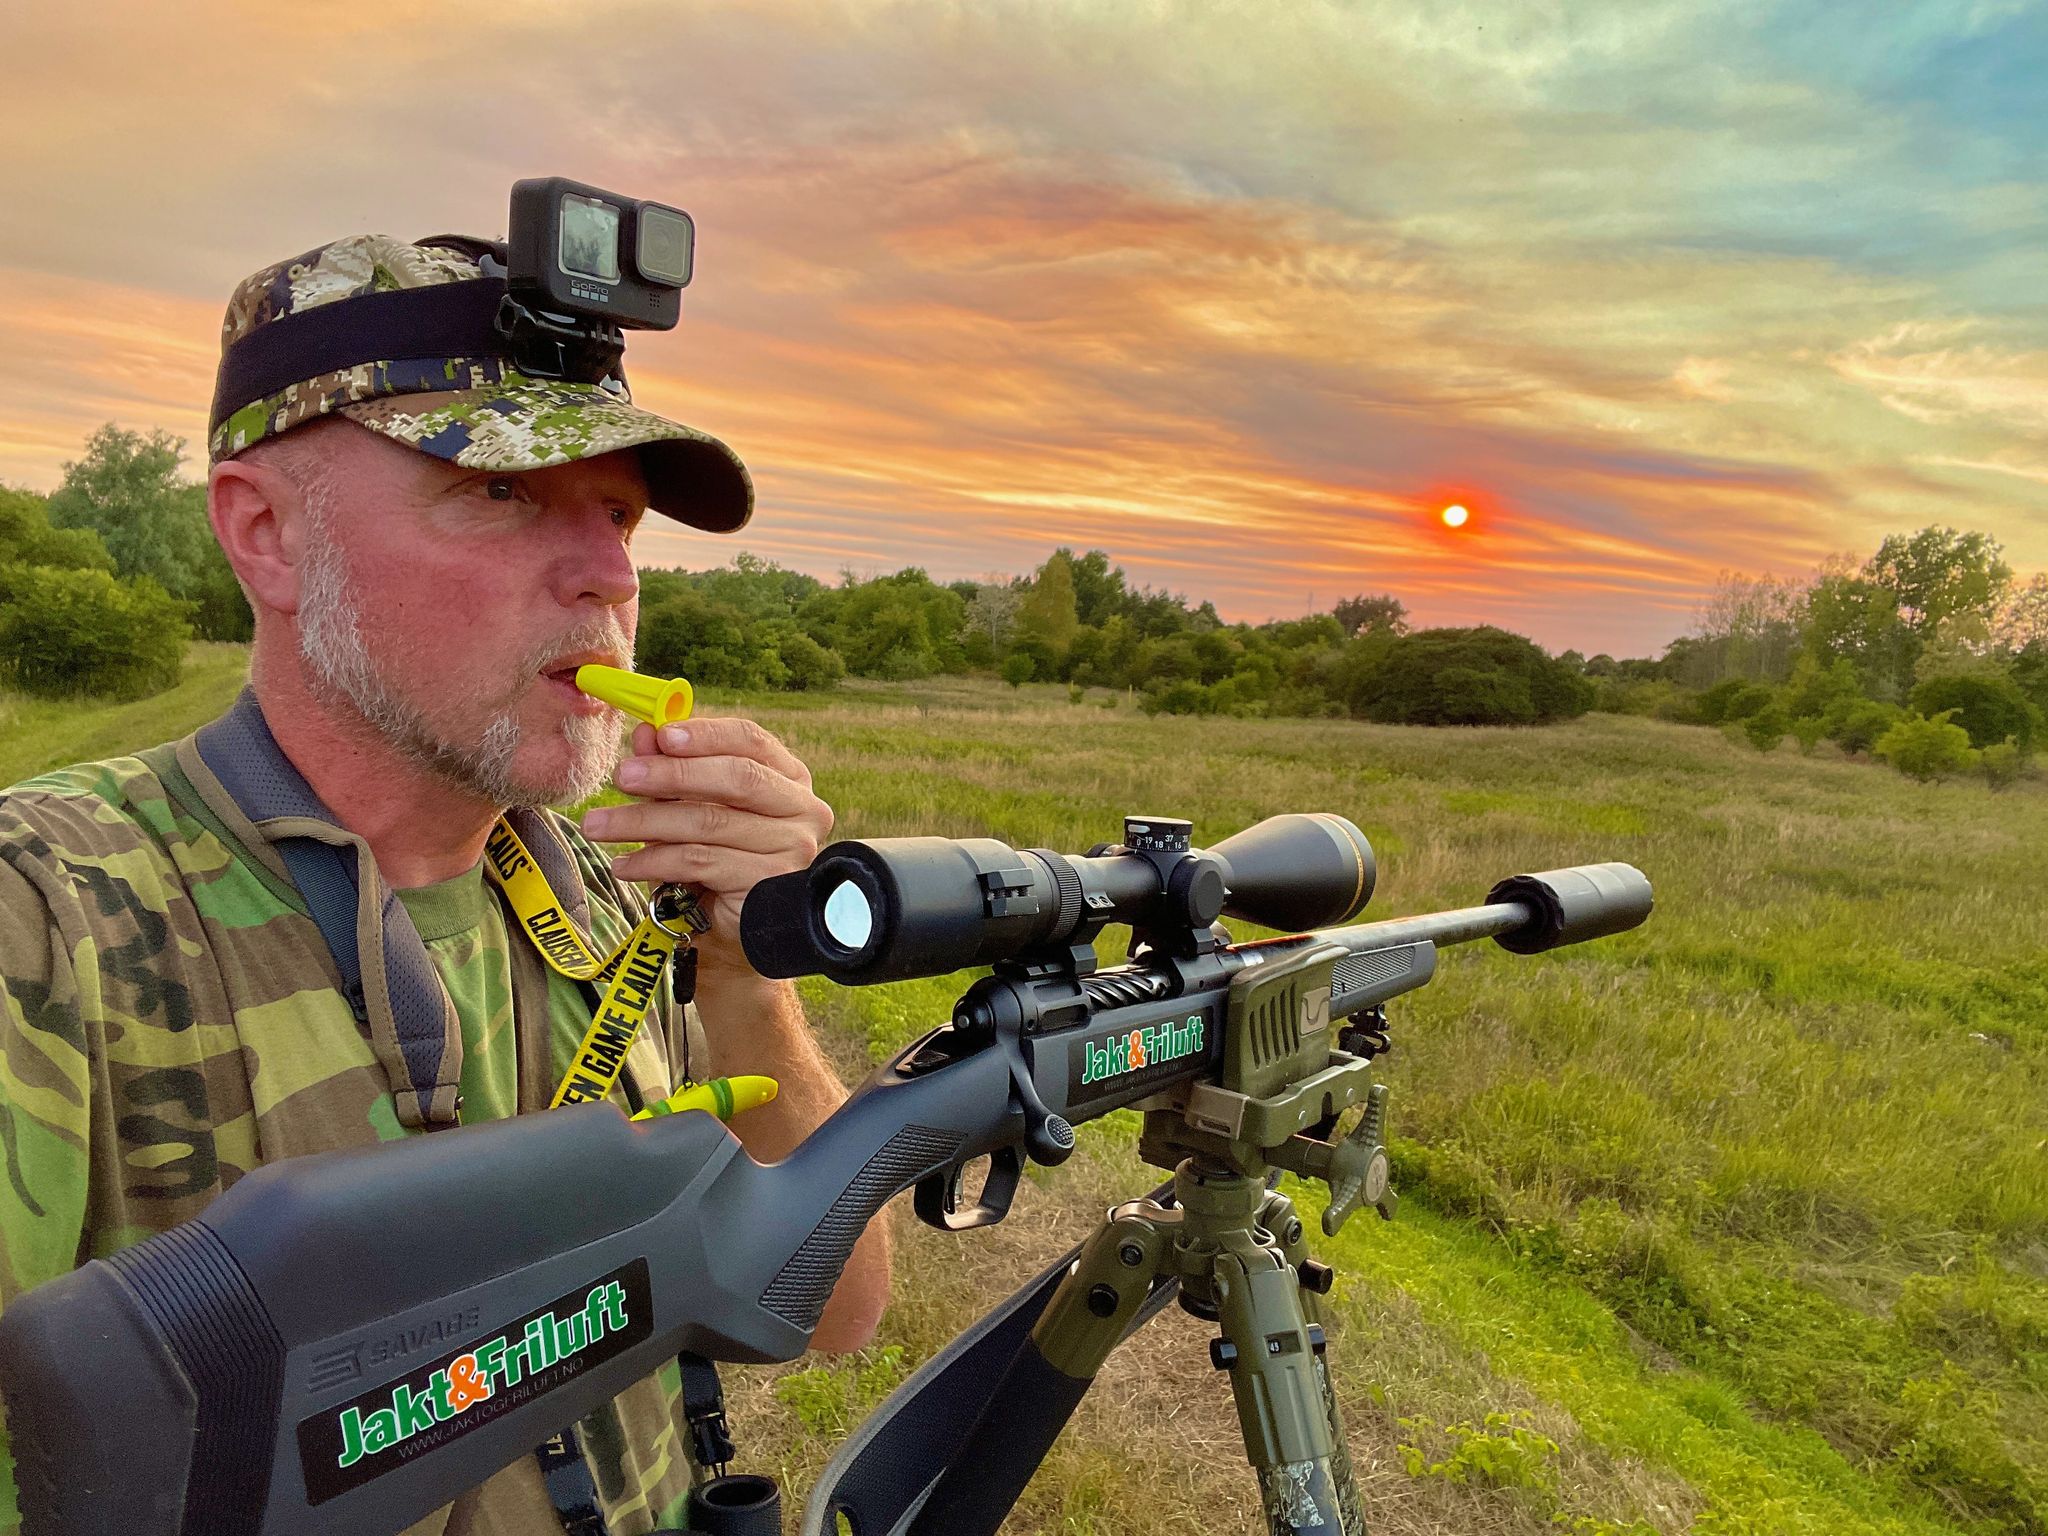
(344, 1342)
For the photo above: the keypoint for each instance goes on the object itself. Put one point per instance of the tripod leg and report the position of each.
(1087, 1317)
(1283, 1409)
(1277, 1216)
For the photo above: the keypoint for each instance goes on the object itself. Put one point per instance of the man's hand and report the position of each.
(721, 803)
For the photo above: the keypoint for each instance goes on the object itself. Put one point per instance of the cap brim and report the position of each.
(531, 424)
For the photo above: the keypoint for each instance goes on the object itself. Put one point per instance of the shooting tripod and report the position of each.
(1220, 1237)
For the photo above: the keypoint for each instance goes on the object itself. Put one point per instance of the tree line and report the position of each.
(1924, 653)
(1930, 654)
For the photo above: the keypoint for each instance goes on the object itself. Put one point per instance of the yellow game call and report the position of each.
(722, 1096)
(656, 700)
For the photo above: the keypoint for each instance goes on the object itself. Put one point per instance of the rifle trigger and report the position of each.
(938, 1203)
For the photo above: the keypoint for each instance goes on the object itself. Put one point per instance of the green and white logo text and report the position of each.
(1150, 1046)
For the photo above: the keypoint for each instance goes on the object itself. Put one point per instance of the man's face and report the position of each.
(449, 608)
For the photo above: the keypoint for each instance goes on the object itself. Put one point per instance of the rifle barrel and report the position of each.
(1438, 928)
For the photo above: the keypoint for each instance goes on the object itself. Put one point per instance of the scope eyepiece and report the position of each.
(900, 907)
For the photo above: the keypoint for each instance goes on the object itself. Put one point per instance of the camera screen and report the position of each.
(590, 238)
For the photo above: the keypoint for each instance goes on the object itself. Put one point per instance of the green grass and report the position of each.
(1738, 1223)
(39, 734)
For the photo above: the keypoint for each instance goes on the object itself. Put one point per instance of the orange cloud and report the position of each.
(968, 288)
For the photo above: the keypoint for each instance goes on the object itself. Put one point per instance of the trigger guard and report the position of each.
(937, 1197)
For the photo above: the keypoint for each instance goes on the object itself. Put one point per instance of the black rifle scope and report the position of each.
(898, 907)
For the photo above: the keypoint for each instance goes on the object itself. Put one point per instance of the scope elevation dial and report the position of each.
(1158, 834)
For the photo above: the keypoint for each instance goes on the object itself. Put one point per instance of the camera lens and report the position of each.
(849, 916)
(663, 255)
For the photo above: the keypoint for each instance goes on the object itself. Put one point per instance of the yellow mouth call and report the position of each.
(653, 699)
(722, 1096)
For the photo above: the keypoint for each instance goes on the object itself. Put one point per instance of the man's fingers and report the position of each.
(745, 783)
(682, 821)
(719, 871)
(730, 736)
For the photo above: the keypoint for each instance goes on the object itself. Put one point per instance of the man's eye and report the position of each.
(502, 488)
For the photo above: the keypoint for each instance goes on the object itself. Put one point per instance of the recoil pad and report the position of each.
(1569, 906)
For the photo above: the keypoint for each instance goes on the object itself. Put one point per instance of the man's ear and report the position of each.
(259, 515)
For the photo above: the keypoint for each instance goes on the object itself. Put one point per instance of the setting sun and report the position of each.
(1455, 516)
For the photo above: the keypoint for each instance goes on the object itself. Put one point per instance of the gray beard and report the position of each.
(345, 677)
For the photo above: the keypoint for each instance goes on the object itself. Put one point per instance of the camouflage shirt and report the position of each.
(170, 1018)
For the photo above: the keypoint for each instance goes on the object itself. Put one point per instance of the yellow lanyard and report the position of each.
(631, 974)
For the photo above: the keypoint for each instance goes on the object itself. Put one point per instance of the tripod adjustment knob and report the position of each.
(1359, 1169)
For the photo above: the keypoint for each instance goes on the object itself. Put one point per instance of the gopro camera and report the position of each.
(577, 250)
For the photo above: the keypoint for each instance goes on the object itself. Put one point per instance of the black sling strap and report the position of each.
(882, 1474)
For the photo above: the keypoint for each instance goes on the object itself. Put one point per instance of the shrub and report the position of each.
(1989, 706)
(82, 631)
(27, 538)
(1652, 697)
(1809, 729)
(1732, 699)
(1479, 676)
(1479, 696)
(810, 665)
(1766, 728)
(1857, 727)
(2001, 763)
(1019, 668)
(690, 635)
(1926, 747)
(1814, 690)
(1184, 696)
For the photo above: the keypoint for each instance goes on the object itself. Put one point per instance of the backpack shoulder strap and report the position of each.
(386, 974)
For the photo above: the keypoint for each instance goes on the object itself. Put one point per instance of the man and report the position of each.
(431, 547)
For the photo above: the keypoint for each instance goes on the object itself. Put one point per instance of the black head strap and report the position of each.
(475, 318)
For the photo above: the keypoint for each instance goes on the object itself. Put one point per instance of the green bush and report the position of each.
(1019, 668)
(1481, 676)
(690, 635)
(811, 666)
(66, 632)
(1989, 706)
(1184, 696)
(1808, 730)
(1857, 726)
(1732, 699)
(27, 538)
(1766, 728)
(2001, 763)
(1926, 747)
(1814, 689)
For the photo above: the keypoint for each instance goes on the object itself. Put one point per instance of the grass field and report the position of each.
(1738, 1223)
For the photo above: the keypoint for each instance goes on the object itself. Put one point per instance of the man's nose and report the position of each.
(596, 566)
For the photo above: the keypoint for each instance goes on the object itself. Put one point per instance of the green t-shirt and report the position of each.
(170, 1019)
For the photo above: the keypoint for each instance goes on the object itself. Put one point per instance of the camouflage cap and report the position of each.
(472, 408)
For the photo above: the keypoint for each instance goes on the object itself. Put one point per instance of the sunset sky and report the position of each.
(1243, 294)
